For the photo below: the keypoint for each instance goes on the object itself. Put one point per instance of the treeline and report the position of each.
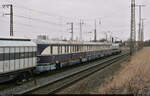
(147, 43)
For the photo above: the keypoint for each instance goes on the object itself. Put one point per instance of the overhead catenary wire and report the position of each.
(46, 13)
(37, 19)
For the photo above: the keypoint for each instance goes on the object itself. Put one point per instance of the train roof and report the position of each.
(15, 42)
(68, 42)
(15, 38)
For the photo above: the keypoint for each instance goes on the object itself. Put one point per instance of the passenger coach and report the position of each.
(60, 54)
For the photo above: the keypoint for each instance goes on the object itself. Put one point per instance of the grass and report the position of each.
(133, 78)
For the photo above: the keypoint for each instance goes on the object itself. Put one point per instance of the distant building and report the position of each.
(42, 37)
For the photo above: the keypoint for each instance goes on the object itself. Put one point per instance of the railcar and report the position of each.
(58, 55)
(17, 57)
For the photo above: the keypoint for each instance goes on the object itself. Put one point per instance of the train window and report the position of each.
(82, 48)
(6, 56)
(55, 50)
(1, 50)
(17, 56)
(26, 49)
(58, 49)
(35, 54)
(68, 49)
(34, 49)
(17, 50)
(26, 55)
(73, 48)
(77, 48)
(21, 49)
(1, 57)
(30, 49)
(63, 49)
(22, 55)
(11, 56)
(6, 50)
(30, 54)
(12, 50)
(51, 49)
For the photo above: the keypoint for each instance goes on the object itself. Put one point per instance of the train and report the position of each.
(20, 57)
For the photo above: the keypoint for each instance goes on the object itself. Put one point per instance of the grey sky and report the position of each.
(115, 16)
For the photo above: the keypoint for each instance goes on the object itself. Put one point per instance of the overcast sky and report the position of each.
(34, 17)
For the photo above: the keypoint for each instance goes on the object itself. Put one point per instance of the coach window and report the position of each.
(69, 49)
(26, 52)
(62, 50)
(12, 54)
(1, 57)
(58, 49)
(87, 48)
(6, 51)
(51, 49)
(80, 48)
(73, 48)
(66, 48)
(77, 48)
(84, 48)
(1, 54)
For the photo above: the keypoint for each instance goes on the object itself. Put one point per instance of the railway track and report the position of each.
(53, 87)
(56, 82)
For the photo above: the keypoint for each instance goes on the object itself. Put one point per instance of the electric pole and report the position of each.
(81, 24)
(95, 34)
(95, 31)
(71, 24)
(106, 37)
(133, 28)
(142, 30)
(140, 21)
(11, 17)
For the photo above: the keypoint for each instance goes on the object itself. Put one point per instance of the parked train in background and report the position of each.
(20, 58)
